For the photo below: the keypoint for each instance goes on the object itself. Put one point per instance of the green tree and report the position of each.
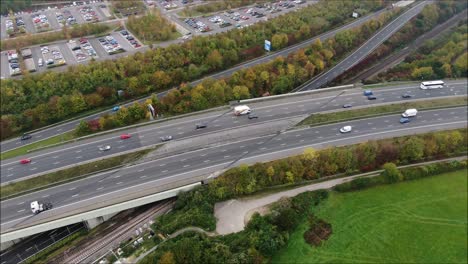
(423, 73)
(241, 92)
(82, 128)
(412, 149)
(391, 173)
(167, 258)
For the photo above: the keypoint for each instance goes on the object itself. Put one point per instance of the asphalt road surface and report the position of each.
(104, 186)
(366, 48)
(69, 155)
(68, 126)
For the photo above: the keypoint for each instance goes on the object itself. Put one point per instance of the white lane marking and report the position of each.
(242, 147)
(386, 121)
(21, 203)
(259, 143)
(185, 166)
(235, 122)
(162, 165)
(316, 132)
(298, 135)
(54, 157)
(101, 180)
(223, 150)
(33, 168)
(226, 156)
(38, 136)
(217, 125)
(10, 168)
(119, 183)
(142, 136)
(71, 189)
(100, 188)
(164, 171)
(45, 196)
(278, 139)
(76, 195)
(33, 162)
(302, 140)
(9, 175)
(55, 163)
(123, 146)
(206, 161)
(144, 176)
(22, 210)
(183, 159)
(180, 133)
(18, 143)
(245, 152)
(58, 130)
(117, 176)
(320, 137)
(369, 124)
(78, 151)
(79, 157)
(284, 144)
(141, 170)
(202, 155)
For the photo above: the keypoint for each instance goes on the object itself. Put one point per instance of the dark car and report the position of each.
(202, 125)
(124, 32)
(130, 37)
(26, 137)
(371, 97)
(252, 116)
(406, 95)
(347, 105)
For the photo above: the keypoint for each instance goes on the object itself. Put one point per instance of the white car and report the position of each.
(105, 148)
(346, 129)
(40, 62)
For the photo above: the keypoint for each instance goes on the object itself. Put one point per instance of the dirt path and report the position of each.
(232, 215)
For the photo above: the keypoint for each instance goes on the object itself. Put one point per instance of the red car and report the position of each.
(125, 136)
(25, 161)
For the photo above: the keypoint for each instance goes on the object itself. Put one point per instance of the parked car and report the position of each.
(346, 129)
(347, 105)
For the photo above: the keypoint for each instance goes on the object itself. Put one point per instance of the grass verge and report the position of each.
(68, 175)
(39, 144)
(417, 221)
(328, 118)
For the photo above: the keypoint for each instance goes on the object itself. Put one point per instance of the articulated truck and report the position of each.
(37, 207)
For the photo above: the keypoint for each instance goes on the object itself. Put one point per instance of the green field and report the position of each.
(423, 221)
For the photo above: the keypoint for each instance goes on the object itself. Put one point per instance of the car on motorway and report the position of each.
(201, 125)
(125, 136)
(371, 97)
(406, 95)
(25, 161)
(404, 120)
(115, 108)
(368, 92)
(346, 129)
(26, 136)
(347, 105)
(252, 116)
(166, 138)
(105, 148)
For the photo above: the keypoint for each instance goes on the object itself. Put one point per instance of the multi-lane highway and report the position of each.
(136, 178)
(366, 48)
(268, 111)
(69, 126)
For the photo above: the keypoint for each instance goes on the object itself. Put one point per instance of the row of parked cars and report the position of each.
(89, 14)
(65, 17)
(130, 39)
(110, 45)
(41, 22)
(13, 61)
(221, 22)
(200, 26)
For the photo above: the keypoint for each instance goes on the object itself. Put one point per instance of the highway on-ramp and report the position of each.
(106, 187)
(69, 126)
(365, 49)
(219, 121)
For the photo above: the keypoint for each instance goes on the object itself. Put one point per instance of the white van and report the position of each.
(241, 110)
(410, 113)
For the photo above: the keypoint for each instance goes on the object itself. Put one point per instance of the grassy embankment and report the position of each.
(345, 115)
(418, 221)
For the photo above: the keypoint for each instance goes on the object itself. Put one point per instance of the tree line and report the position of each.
(278, 76)
(263, 236)
(425, 63)
(24, 101)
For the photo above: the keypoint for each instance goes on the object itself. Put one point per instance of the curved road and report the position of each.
(69, 126)
(109, 186)
(87, 150)
(365, 49)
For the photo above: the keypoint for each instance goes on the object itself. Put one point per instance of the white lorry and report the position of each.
(410, 113)
(37, 207)
(241, 110)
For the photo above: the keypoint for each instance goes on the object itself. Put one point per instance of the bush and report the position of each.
(391, 173)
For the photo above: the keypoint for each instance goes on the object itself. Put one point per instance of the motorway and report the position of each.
(69, 126)
(111, 185)
(269, 111)
(362, 52)
(221, 121)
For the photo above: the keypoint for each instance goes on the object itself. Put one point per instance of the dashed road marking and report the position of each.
(119, 183)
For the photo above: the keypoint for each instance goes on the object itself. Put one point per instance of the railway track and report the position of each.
(89, 252)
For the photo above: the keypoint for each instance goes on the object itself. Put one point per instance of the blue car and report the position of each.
(115, 108)
(404, 120)
(368, 92)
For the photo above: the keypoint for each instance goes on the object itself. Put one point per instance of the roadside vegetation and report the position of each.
(68, 175)
(423, 220)
(445, 57)
(430, 17)
(128, 7)
(76, 31)
(350, 114)
(152, 27)
(42, 99)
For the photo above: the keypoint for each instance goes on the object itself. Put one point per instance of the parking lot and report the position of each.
(52, 17)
